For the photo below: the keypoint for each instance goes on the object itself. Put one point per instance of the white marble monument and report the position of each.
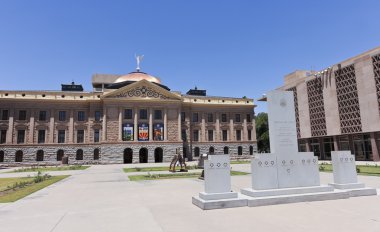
(285, 175)
(345, 176)
(217, 181)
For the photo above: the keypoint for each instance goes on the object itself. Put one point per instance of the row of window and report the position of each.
(42, 115)
(42, 136)
(19, 155)
(210, 136)
(210, 117)
(226, 150)
(143, 114)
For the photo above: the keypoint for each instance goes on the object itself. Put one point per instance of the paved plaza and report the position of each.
(101, 198)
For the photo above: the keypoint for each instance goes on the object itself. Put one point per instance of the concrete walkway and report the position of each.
(101, 198)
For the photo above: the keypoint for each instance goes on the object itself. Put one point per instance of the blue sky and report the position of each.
(231, 48)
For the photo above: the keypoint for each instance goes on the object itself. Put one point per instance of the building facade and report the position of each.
(129, 118)
(338, 108)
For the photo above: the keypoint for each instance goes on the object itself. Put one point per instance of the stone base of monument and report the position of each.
(286, 191)
(219, 200)
(297, 197)
(355, 189)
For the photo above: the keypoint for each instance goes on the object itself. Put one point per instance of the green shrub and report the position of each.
(357, 169)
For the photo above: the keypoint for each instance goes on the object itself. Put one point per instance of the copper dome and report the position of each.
(138, 76)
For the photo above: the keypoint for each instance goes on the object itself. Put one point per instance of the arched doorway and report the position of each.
(128, 156)
(240, 150)
(226, 150)
(60, 154)
(143, 155)
(158, 155)
(251, 150)
(1, 156)
(19, 156)
(96, 153)
(196, 152)
(211, 150)
(79, 155)
(40, 155)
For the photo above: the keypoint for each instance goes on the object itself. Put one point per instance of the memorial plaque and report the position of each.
(217, 174)
(264, 172)
(344, 167)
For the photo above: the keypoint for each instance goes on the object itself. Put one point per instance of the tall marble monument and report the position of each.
(285, 172)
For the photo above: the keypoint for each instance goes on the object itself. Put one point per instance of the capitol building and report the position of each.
(132, 118)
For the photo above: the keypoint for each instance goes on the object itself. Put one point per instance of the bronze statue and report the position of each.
(177, 158)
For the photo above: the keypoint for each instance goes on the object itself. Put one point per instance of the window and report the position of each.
(128, 114)
(225, 150)
(238, 135)
(79, 155)
(62, 116)
(249, 135)
(158, 114)
(20, 136)
(80, 136)
(5, 115)
(40, 155)
(248, 117)
(196, 135)
(3, 136)
(195, 117)
(96, 153)
(183, 116)
(42, 116)
(224, 135)
(41, 136)
(81, 116)
(61, 136)
(210, 117)
(210, 135)
(224, 117)
(184, 135)
(96, 135)
(240, 150)
(237, 117)
(196, 151)
(143, 114)
(98, 116)
(1, 156)
(22, 115)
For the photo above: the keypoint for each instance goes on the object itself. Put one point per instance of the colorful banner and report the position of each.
(143, 132)
(158, 132)
(127, 132)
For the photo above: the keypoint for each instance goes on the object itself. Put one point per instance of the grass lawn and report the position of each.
(25, 191)
(51, 168)
(175, 176)
(362, 169)
(154, 169)
(240, 161)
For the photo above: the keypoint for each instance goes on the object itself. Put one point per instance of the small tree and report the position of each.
(262, 132)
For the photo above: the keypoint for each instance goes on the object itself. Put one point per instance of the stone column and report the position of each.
(217, 126)
(150, 124)
(245, 130)
(203, 128)
(375, 150)
(31, 128)
(10, 127)
(104, 125)
(166, 125)
(231, 130)
(307, 145)
(51, 127)
(179, 126)
(135, 124)
(71, 127)
(119, 138)
(336, 145)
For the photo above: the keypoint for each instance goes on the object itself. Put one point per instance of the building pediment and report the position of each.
(140, 90)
